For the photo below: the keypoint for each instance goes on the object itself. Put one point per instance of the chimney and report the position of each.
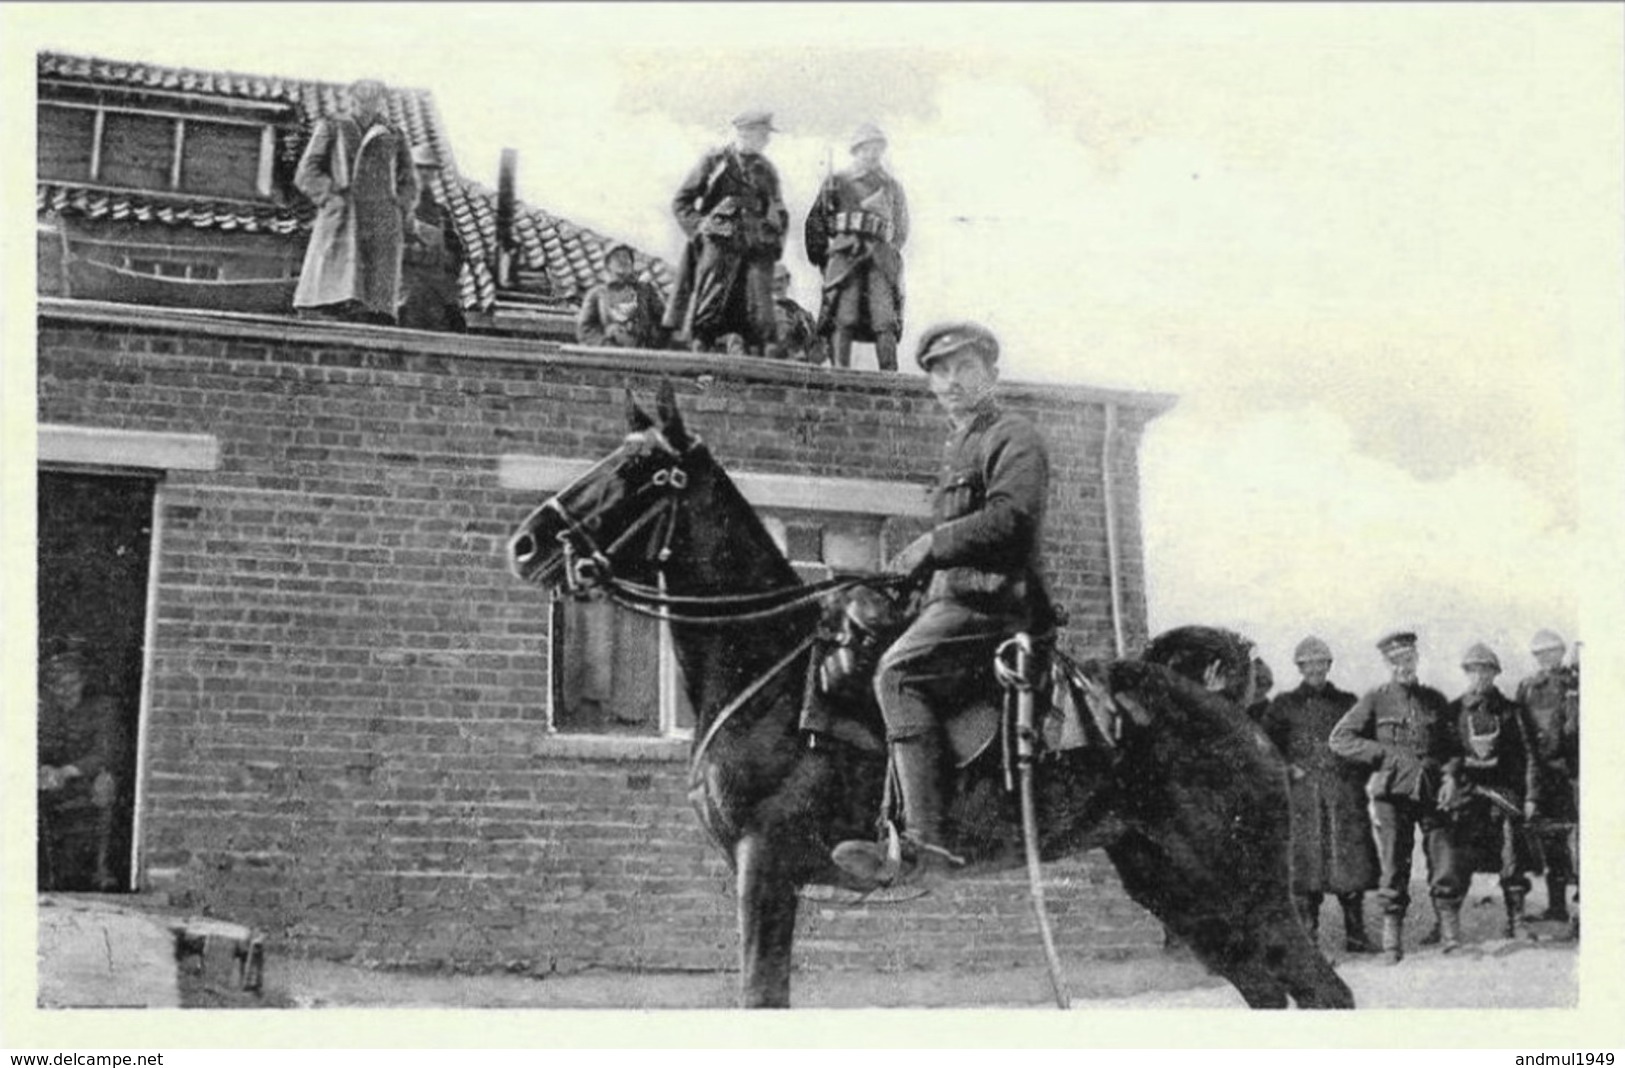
(507, 243)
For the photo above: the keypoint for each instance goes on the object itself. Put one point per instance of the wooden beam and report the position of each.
(96, 145)
(106, 447)
(175, 160)
(262, 184)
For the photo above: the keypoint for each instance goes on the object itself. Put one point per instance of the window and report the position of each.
(156, 150)
(615, 673)
(137, 151)
(65, 139)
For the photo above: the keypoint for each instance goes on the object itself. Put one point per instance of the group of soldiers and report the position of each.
(1491, 783)
(733, 292)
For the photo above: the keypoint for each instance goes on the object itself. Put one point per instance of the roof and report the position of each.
(571, 256)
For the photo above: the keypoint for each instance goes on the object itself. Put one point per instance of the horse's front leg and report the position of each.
(767, 926)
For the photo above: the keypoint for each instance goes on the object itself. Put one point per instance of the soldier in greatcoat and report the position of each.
(1332, 847)
(1403, 732)
(1501, 783)
(983, 565)
(855, 233)
(358, 170)
(1552, 697)
(731, 209)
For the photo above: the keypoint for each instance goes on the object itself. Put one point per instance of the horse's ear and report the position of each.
(671, 420)
(637, 420)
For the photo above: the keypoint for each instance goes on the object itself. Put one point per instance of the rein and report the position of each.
(588, 568)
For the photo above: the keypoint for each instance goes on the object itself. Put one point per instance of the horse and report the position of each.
(1181, 790)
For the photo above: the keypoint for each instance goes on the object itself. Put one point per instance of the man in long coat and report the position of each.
(731, 209)
(1332, 848)
(1403, 732)
(855, 233)
(1502, 784)
(1552, 697)
(358, 169)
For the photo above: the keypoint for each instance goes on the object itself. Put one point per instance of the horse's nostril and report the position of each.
(524, 547)
(592, 522)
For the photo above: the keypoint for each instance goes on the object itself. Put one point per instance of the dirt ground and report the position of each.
(1489, 972)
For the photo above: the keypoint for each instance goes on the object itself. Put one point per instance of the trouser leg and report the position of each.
(1309, 910)
(1395, 829)
(886, 351)
(1355, 939)
(919, 777)
(841, 349)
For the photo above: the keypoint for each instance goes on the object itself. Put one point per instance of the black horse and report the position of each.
(1181, 790)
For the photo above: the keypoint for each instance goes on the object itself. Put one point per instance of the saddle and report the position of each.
(839, 703)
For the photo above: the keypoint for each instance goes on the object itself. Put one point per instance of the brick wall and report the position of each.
(346, 741)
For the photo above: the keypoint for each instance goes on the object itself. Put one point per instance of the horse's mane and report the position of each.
(1192, 650)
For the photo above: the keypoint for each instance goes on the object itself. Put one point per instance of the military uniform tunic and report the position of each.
(987, 570)
(855, 233)
(624, 314)
(731, 208)
(1552, 698)
(1406, 734)
(1332, 847)
(1497, 743)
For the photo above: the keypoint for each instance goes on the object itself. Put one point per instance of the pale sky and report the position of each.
(1376, 251)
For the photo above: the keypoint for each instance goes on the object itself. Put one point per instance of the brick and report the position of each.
(347, 692)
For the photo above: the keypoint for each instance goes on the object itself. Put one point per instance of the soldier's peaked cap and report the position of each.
(1311, 648)
(755, 117)
(945, 339)
(1546, 639)
(1399, 639)
(864, 134)
(1480, 655)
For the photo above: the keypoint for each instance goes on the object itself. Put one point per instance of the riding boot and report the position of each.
(1355, 939)
(918, 764)
(841, 351)
(886, 351)
(1517, 924)
(919, 769)
(1393, 938)
(1557, 899)
(1449, 912)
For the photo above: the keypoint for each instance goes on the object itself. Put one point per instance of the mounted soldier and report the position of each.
(855, 234)
(983, 565)
(731, 209)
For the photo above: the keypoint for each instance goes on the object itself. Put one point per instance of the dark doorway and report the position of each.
(95, 541)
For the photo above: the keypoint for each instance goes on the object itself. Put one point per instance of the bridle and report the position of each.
(589, 568)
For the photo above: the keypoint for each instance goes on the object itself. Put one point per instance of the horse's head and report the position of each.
(614, 514)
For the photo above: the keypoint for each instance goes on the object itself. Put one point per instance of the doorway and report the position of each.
(94, 554)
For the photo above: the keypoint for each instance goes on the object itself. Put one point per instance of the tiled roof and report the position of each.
(571, 256)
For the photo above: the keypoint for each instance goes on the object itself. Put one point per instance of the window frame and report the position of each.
(265, 166)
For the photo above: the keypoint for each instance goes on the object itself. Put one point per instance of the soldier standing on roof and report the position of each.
(358, 169)
(731, 209)
(623, 312)
(433, 259)
(855, 233)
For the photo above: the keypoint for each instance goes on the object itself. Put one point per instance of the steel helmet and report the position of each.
(1311, 648)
